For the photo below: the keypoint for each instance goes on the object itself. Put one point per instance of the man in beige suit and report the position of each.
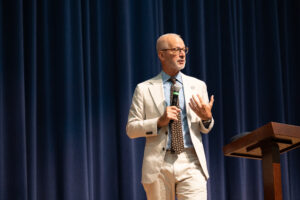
(167, 173)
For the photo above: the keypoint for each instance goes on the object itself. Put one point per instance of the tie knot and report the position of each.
(173, 80)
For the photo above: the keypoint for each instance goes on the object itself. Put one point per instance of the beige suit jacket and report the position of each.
(148, 104)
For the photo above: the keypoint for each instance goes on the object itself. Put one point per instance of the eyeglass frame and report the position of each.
(178, 50)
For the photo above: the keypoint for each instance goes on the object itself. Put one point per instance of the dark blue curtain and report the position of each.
(68, 69)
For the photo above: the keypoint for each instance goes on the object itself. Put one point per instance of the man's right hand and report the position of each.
(171, 113)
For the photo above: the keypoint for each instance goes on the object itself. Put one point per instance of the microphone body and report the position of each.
(175, 98)
(175, 95)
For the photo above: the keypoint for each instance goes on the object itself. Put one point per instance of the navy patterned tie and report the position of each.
(177, 145)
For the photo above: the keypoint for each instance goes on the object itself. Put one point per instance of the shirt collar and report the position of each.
(166, 77)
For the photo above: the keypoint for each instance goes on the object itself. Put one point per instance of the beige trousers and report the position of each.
(180, 175)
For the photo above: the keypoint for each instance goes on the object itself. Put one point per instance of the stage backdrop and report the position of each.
(69, 69)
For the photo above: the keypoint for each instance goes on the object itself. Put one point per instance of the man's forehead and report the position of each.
(175, 41)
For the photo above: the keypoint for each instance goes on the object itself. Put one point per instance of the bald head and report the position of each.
(163, 42)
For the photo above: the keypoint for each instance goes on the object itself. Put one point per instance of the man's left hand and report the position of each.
(202, 109)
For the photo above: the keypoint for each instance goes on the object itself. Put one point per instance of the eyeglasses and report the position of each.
(177, 50)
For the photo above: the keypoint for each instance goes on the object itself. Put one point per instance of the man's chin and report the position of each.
(177, 68)
(180, 67)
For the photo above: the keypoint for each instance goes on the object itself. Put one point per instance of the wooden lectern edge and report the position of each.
(268, 138)
(250, 138)
(266, 131)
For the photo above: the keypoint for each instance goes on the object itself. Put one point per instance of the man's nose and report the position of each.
(181, 54)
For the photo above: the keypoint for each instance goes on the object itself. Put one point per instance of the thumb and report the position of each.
(212, 99)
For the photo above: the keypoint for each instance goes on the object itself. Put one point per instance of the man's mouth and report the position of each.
(180, 62)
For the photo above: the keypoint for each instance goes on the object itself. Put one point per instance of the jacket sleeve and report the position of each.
(204, 129)
(138, 125)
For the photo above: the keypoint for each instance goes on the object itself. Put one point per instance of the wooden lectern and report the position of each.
(267, 143)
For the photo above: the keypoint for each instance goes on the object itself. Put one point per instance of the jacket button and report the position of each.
(163, 148)
(166, 132)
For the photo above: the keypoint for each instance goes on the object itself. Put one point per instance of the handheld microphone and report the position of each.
(175, 94)
(175, 97)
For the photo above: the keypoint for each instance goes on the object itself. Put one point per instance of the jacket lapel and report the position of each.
(157, 93)
(188, 92)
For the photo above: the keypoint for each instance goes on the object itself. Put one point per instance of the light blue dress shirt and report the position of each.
(185, 128)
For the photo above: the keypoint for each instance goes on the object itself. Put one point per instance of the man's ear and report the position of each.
(161, 55)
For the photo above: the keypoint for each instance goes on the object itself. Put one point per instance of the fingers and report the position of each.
(172, 117)
(195, 102)
(202, 103)
(172, 113)
(173, 108)
(193, 107)
(211, 102)
(198, 105)
(200, 99)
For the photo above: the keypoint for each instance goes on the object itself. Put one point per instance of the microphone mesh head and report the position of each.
(177, 87)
